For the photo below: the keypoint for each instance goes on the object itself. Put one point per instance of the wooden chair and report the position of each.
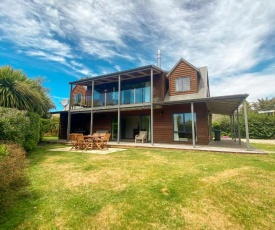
(142, 136)
(82, 143)
(73, 140)
(102, 140)
(105, 140)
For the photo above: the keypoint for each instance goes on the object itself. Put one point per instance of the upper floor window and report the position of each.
(77, 98)
(182, 84)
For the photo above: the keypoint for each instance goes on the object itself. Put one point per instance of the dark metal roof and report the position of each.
(225, 105)
(127, 74)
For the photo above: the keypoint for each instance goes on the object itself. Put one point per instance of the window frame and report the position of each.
(186, 132)
(180, 84)
(78, 99)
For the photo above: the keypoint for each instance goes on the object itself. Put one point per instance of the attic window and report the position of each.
(182, 84)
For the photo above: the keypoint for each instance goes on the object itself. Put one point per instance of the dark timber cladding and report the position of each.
(183, 70)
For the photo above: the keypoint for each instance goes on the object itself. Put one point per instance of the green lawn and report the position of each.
(145, 189)
(50, 138)
(264, 146)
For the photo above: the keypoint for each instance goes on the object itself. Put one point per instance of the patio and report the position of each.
(226, 145)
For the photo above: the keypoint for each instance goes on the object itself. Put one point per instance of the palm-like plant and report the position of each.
(18, 91)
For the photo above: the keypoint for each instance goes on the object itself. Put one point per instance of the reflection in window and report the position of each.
(183, 126)
(182, 84)
(134, 91)
(77, 99)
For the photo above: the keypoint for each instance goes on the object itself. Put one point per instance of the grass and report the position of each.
(50, 138)
(145, 189)
(265, 146)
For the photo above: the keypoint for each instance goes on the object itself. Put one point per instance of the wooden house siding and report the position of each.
(160, 87)
(163, 122)
(79, 89)
(183, 70)
(102, 121)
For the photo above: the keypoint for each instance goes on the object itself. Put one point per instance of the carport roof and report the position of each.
(225, 105)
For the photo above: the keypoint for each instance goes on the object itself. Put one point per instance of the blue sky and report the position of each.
(67, 40)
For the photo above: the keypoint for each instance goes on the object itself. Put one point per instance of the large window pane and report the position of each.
(135, 91)
(183, 126)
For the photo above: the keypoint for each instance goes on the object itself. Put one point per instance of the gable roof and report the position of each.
(186, 62)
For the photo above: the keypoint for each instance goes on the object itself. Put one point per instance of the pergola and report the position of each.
(224, 105)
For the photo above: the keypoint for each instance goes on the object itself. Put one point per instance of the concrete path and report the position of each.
(225, 145)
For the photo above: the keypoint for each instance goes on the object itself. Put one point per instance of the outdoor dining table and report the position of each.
(93, 139)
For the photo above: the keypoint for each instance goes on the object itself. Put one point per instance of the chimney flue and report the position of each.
(159, 58)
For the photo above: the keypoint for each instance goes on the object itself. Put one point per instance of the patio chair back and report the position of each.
(142, 136)
(73, 140)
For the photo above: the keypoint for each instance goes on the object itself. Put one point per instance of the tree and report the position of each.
(18, 91)
(264, 104)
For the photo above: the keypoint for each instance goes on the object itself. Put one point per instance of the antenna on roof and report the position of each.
(159, 58)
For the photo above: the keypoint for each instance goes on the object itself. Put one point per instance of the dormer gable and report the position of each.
(183, 78)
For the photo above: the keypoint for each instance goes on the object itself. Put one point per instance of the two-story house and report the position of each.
(172, 106)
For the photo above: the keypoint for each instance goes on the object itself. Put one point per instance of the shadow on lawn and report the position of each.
(16, 207)
(19, 205)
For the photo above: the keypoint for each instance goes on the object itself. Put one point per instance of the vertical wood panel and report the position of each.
(183, 70)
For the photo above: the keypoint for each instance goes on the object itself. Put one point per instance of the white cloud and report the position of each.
(230, 37)
(39, 53)
(255, 84)
(117, 67)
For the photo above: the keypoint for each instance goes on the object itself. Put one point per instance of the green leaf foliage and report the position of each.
(261, 126)
(19, 127)
(13, 125)
(33, 133)
(18, 91)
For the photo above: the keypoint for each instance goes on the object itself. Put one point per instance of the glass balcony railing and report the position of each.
(129, 96)
(135, 96)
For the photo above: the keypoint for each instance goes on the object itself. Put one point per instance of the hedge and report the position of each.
(19, 127)
(261, 126)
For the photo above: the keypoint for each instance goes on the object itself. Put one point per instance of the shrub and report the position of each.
(222, 123)
(20, 127)
(13, 125)
(261, 126)
(12, 172)
(32, 135)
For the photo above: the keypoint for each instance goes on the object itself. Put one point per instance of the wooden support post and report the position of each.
(152, 111)
(118, 110)
(69, 113)
(193, 126)
(239, 130)
(92, 108)
(246, 125)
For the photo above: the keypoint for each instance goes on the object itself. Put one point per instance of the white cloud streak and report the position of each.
(230, 37)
